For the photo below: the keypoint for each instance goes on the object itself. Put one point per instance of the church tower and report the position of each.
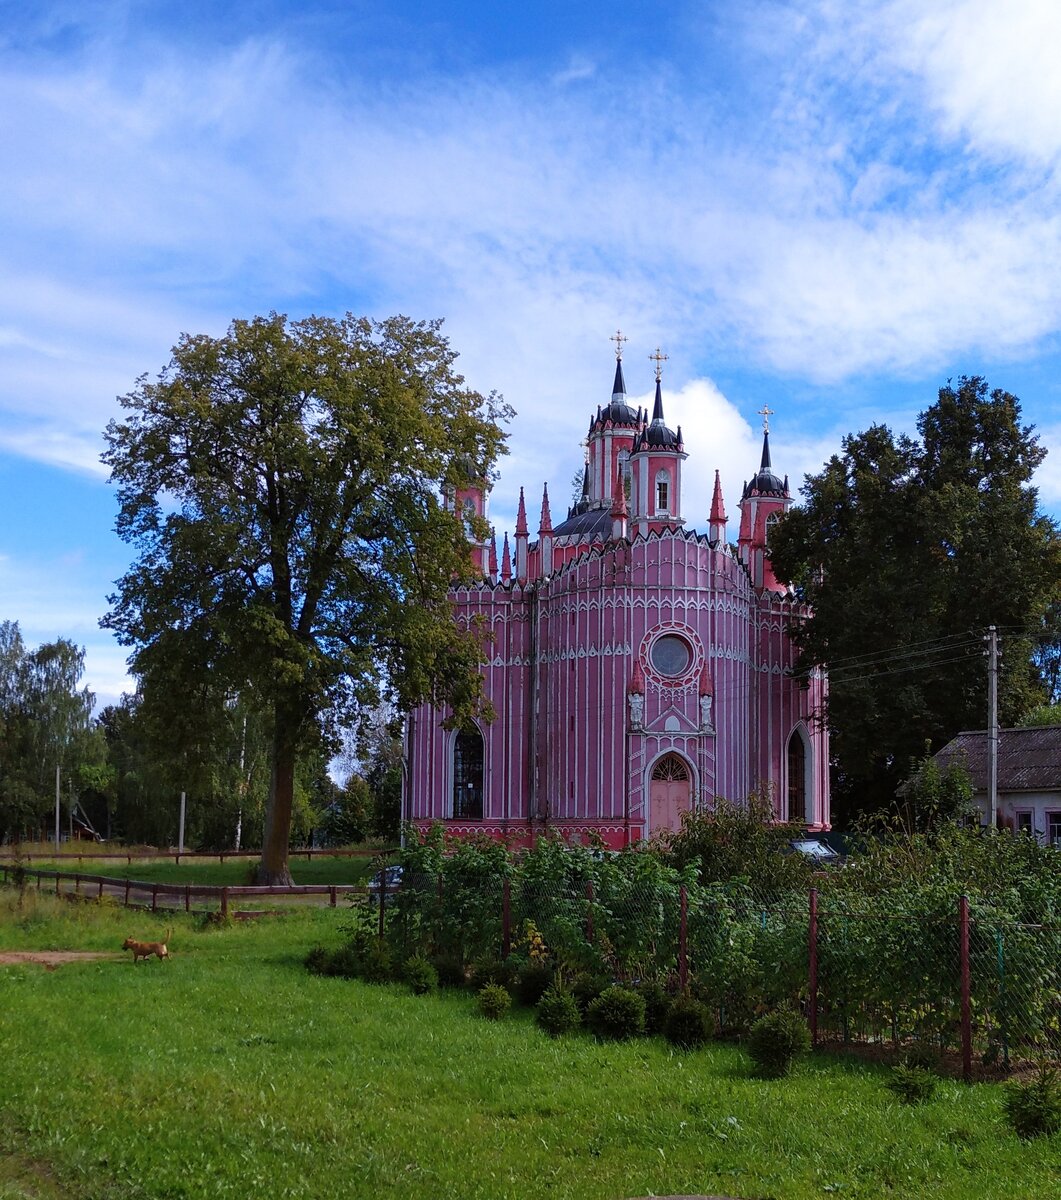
(469, 501)
(764, 499)
(656, 469)
(611, 438)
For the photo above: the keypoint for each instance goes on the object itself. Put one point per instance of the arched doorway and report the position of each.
(670, 793)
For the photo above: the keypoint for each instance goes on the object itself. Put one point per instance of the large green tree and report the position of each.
(284, 487)
(907, 550)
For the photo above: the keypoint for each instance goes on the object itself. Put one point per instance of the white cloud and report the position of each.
(989, 71)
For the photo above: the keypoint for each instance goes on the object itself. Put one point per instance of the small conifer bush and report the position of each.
(494, 1001)
(586, 989)
(617, 1013)
(532, 982)
(449, 969)
(558, 1011)
(912, 1084)
(1033, 1106)
(420, 975)
(657, 1003)
(487, 969)
(317, 961)
(688, 1023)
(776, 1040)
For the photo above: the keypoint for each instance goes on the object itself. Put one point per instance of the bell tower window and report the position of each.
(662, 492)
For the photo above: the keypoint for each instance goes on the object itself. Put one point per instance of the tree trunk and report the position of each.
(273, 870)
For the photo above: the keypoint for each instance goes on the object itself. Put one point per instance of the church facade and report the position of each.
(638, 669)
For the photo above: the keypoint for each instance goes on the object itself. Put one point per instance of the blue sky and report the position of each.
(829, 207)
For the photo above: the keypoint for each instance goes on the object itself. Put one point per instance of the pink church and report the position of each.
(638, 669)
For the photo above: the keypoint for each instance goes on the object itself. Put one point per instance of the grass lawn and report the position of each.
(234, 872)
(229, 1071)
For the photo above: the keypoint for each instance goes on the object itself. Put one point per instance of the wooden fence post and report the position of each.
(224, 902)
(331, 896)
(128, 883)
(506, 916)
(812, 968)
(589, 911)
(382, 901)
(187, 898)
(967, 1008)
(683, 939)
(154, 898)
(99, 893)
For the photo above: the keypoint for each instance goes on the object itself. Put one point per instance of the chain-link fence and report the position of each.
(961, 983)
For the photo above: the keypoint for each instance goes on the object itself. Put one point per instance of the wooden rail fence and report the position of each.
(130, 888)
(165, 855)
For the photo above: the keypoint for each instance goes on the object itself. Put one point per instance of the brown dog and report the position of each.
(146, 949)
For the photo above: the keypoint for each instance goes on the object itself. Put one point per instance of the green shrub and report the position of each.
(489, 969)
(657, 1003)
(532, 982)
(586, 989)
(776, 1040)
(618, 1013)
(911, 1084)
(318, 961)
(420, 975)
(449, 969)
(558, 1011)
(373, 962)
(494, 1001)
(688, 1023)
(922, 1055)
(1033, 1106)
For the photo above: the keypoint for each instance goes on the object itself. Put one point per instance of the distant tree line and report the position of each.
(121, 772)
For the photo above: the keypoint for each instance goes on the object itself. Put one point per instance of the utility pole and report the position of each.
(992, 726)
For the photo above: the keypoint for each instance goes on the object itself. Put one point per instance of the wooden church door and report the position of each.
(670, 793)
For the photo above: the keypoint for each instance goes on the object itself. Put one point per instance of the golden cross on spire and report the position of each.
(659, 360)
(618, 339)
(766, 413)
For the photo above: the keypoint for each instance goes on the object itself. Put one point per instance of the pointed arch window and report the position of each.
(468, 756)
(797, 778)
(670, 769)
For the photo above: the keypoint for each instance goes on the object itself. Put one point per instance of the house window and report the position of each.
(468, 774)
(797, 779)
(1024, 821)
(1053, 829)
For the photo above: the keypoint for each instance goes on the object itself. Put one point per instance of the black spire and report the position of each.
(619, 386)
(765, 464)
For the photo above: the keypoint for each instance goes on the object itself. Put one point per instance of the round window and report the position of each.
(671, 655)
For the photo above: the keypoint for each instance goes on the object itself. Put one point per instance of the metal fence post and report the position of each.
(506, 916)
(683, 938)
(812, 968)
(382, 901)
(589, 911)
(967, 1008)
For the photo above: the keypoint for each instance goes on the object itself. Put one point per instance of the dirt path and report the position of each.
(50, 959)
